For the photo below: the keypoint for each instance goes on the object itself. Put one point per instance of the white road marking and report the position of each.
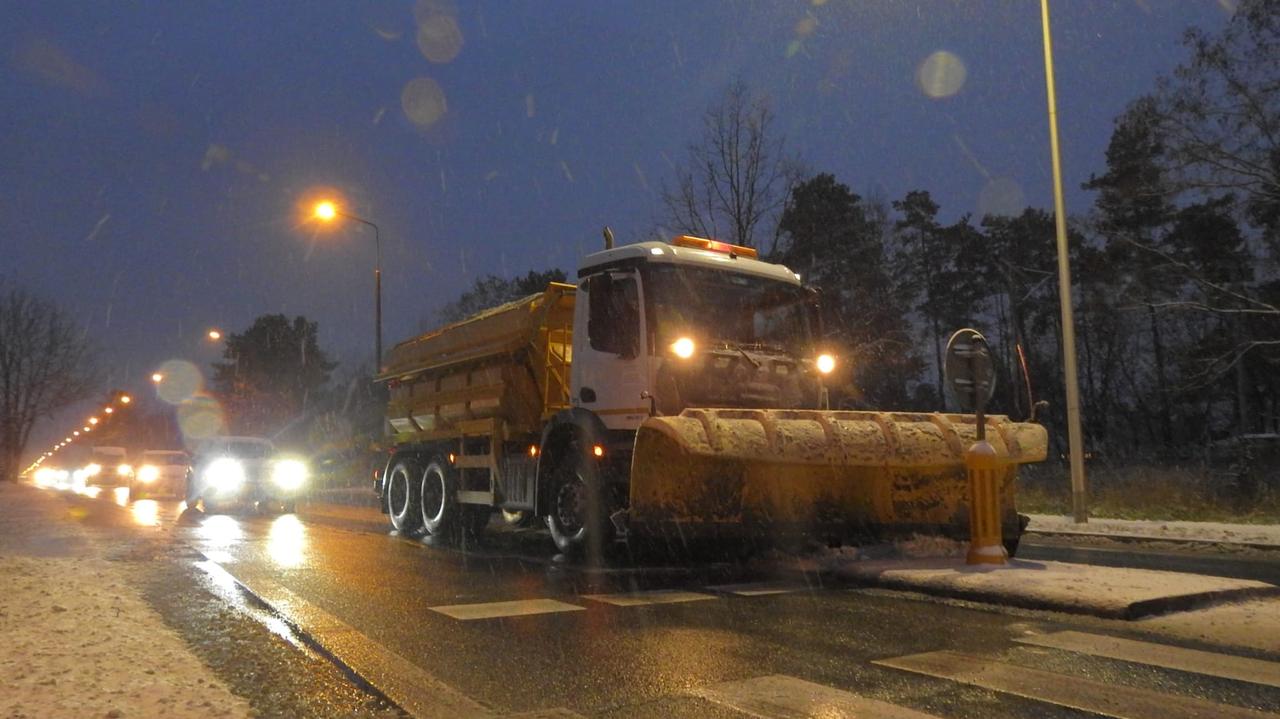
(783, 696)
(1065, 690)
(1244, 669)
(758, 589)
(412, 688)
(495, 610)
(655, 596)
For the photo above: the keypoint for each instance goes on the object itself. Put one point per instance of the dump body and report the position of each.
(509, 364)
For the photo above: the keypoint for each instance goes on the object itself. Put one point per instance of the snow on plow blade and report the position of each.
(852, 477)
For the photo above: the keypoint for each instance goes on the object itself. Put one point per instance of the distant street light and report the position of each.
(157, 378)
(108, 410)
(327, 211)
(125, 399)
(93, 420)
(215, 335)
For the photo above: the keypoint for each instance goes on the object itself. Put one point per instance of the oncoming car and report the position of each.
(244, 471)
(160, 473)
(108, 467)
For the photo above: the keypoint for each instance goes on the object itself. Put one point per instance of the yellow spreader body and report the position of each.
(850, 477)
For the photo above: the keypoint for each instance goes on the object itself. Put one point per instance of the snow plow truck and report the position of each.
(676, 393)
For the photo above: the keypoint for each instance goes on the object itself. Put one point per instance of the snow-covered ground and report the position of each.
(77, 640)
(1178, 530)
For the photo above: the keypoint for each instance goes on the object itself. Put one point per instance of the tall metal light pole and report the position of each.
(1075, 439)
(327, 211)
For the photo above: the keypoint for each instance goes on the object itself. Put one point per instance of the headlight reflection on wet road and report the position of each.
(219, 532)
(146, 513)
(287, 541)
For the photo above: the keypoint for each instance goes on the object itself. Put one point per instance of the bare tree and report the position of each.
(1219, 114)
(738, 175)
(45, 365)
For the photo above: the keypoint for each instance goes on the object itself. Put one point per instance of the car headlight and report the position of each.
(289, 473)
(124, 470)
(148, 473)
(225, 474)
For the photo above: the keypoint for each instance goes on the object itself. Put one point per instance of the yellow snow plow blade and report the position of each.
(838, 476)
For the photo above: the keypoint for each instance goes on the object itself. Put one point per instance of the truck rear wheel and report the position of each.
(579, 519)
(439, 499)
(402, 494)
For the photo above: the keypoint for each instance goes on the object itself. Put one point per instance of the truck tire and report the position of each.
(438, 499)
(402, 497)
(579, 518)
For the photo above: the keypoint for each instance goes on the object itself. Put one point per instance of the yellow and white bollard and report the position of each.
(985, 541)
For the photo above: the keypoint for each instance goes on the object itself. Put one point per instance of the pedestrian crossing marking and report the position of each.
(1225, 666)
(758, 589)
(654, 596)
(495, 610)
(1065, 690)
(781, 696)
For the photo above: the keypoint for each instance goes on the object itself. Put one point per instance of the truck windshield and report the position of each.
(715, 307)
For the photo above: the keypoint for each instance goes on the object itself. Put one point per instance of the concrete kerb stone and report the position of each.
(1107, 592)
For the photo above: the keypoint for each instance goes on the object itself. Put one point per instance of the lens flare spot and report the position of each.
(1001, 196)
(200, 417)
(941, 75)
(424, 10)
(179, 381)
(439, 38)
(806, 25)
(423, 102)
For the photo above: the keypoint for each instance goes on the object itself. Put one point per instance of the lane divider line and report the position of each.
(1065, 690)
(778, 696)
(389, 674)
(1224, 666)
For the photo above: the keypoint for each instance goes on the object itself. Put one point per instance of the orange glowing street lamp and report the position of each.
(125, 399)
(215, 334)
(328, 211)
(108, 410)
(156, 377)
(93, 420)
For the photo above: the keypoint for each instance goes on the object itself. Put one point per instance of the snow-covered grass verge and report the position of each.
(78, 640)
(1209, 532)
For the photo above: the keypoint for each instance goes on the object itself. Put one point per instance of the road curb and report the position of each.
(1133, 611)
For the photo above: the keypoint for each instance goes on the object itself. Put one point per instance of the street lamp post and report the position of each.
(1079, 491)
(327, 211)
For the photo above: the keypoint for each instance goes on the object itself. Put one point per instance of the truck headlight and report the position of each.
(683, 348)
(92, 469)
(225, 474)
(289, 474)
(124, 470)
(148, 473)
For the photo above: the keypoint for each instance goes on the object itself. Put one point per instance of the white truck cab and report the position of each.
(691, 323)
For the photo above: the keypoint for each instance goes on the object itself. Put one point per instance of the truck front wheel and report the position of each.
(579, 518)
(403, 497)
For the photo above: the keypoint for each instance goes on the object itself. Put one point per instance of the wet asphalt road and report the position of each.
(601, 660)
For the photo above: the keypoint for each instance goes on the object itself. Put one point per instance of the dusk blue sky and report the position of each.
(154, 156)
